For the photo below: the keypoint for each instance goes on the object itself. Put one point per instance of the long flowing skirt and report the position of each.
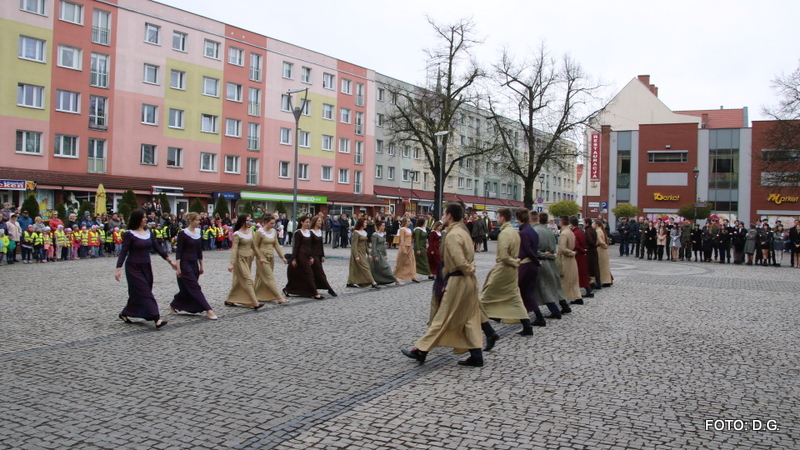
(320, 279)
(301, 278)
(265, 286)
(242, 290)
(423, 265)
(190, 297)
(381, 270)
(141, 302)
(406, 267)
(360, 273)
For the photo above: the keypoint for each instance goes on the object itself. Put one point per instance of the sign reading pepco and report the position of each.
(668, 198)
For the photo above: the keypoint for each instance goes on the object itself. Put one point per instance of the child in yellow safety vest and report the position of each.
(76, 243)
(101, 235)
(67, 252)
(83, 234)
(59, 238)
(4, 242)
(116, 236)
(94, 241)
(47, 245)
(38, 253)
(221, 235)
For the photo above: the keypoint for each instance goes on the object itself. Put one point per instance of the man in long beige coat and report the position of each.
(567, 265)
(456, 312)
(500, 297)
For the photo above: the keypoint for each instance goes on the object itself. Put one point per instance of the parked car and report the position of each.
(613, 238)
(496, 228)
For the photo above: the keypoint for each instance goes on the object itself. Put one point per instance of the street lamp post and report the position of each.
(297, 112)
(440, 188)
(696, 172)
(541, 185)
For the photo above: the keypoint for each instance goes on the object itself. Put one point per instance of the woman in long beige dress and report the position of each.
(360, 273)
(242, 252)
(406, 266)
(602, 254)
(266, 241)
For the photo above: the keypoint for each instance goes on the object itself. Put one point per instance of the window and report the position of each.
(344, 115)
(211, 49)
(469, 160)
(66, 146)
(33, 6)
(469, 183)
(347, 86)
(101, 27)
(328, 81)
(288, 70)
(667, 157)
(208, 162)
(307, 108)
(378, 146)
(379, 120)
(381, 94)
(359, 155)
(407, 175)
(344, 145)
(406, 151)
(344, 176)
(255, 67)
(461, 184)
(97, 114)
(286, 103)
(149, 114)
(233, 128)
(378, 171)
(358, 182)
(359, 123)
(286, 136)
(208, 123)
(236, 56)
(327, 173)
(30, 96)
(150, 74)
(283, 169)
(176, 118)
(179, 41)
(211, 86)
(359, 94)
(71, 12)
(31, 49)
(96, 154)
(327, 111)
(393, 100)
(390, 174)
(148, 155)
(177, 79)
(152, 34)
(302, 171)
(391, 149)
(251, 177)
(234, 93)
(253, 136)
(503, 188)
(29, 142)
(174, 157)
(254, 102)
(305, 75)
(418, 154)
(305, 139)
(232, 164)
(67, 101)
(327, 143)
(100, 65)
(449, 181)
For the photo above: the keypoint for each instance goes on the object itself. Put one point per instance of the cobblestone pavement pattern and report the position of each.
(645, 364)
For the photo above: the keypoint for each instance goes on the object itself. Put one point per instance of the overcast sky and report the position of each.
(700, 54)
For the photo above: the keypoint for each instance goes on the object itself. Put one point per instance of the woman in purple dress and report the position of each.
(135, 254)
(189, 258)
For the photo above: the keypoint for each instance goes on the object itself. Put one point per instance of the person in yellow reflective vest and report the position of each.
(4, 242)
(60, 238)
(101, 235)
(38, 255)
(116, 236)
(67, 244)
(206, 234)
(94, 241)
(212, 236)
(27, 244)
(83, 233)
(76, 243)
(47, 245)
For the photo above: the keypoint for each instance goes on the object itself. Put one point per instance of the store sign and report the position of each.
(594, 166)
(594, 204)
(247, 195)
(227, 195)
(667, 198)
(17, 185)
(777, 199)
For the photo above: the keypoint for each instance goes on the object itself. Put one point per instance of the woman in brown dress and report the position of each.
(360, 273)
(318, 252)
(406, 266)
(434, 242)
(242, 252)
(266, 241)
(299, 272)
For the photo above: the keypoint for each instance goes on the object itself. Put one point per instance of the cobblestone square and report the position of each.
(656, 361)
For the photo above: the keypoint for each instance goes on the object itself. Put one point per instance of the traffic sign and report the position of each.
(540, 200)
(700, 205)
(604, 205)
(539, 209)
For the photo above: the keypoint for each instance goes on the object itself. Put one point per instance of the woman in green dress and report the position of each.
(378, 260)
(421, 249)
(360, 275)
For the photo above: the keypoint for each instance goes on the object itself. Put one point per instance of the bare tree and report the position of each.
(451, 89)
(551, 101)
(780, 163)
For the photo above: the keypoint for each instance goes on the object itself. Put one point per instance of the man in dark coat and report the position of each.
(592, 263)
(529, 265)
(624, 231)
(580, 258)
(344, 228)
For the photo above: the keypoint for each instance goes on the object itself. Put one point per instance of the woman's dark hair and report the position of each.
(266, 218)
(378, 224)
(135, 220)
(240, 221)
(360, 224)
(302, 219)
(420, 222)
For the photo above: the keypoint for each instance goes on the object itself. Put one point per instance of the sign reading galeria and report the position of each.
(777, 199)
(669, 198)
